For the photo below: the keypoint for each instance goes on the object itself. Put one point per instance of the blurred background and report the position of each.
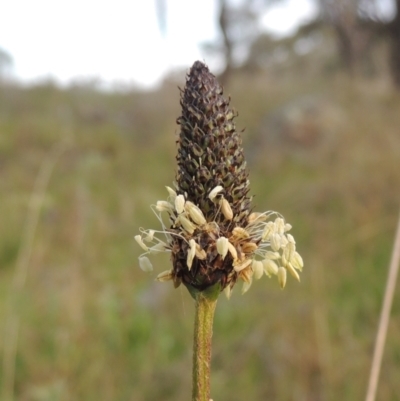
(88, 103)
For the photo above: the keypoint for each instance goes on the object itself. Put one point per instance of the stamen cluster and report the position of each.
(261, 247)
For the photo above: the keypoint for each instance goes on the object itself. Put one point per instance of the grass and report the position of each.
(94, 327)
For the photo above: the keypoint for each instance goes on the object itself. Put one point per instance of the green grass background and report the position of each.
(93, 326)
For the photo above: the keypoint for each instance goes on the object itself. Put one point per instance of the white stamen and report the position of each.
(186, 224)
(145, 264)
(172, 194)
(293, 271)
(139, 240)
(242, 265)
(256, 217)
(246, 286)
(249, 247)
(150, 235)
(288, 227)
(222, 246)
(279, 225)
(275, 241)
(272, 255)
(165, 275)
(191, 254)
(226, 209)
(195, 213)
(282, 277)
(164, 206)
(228, 291)
(160, 247)
(240, 233)
(270, 267)
(289, 251)
(283, 240)
(284, 260)
(297, 261)
(269, 229)
(258, 269)
(215, 192)
(200, 253)
(232, 251)
(179, 204)
(246, 274)
(290, 238)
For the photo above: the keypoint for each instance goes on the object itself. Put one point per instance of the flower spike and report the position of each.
(213, 236)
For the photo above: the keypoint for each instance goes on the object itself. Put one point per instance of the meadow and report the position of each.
(88, 324)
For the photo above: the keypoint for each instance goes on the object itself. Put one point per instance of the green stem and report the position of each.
(203, 323)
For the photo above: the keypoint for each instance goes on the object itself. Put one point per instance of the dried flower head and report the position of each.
(210, 231)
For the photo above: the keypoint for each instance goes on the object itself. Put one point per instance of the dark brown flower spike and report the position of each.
(212, 236)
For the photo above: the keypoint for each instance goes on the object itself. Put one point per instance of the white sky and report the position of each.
(118, 40)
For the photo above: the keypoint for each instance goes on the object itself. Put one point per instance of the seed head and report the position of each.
(213, 237)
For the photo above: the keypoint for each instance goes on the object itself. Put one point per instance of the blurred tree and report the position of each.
(342, 16)
(357, 23)
(238, 23)
(356, 26)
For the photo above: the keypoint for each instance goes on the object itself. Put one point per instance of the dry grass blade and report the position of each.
(384, 319)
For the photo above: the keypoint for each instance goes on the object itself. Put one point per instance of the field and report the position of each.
(88, 324)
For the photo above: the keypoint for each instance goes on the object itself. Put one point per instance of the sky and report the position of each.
(117, 41)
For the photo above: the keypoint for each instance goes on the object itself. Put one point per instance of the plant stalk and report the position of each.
(385, 317)
(203, 324)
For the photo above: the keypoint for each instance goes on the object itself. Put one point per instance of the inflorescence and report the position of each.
(206, 222)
